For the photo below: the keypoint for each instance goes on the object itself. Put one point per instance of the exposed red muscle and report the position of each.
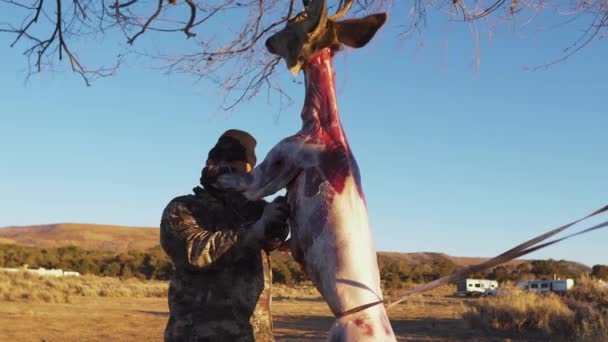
(335, 166)
(322, 121)
(369, 331)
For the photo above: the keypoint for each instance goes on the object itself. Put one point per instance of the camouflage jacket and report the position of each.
(220, 290)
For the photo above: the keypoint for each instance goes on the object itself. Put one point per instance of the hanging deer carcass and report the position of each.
(330, 232)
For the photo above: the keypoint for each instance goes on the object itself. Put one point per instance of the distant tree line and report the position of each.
(148, 264)
(153, 263)
(395, 272)
(535, 269)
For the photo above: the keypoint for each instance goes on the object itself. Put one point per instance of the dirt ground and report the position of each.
(435, 317)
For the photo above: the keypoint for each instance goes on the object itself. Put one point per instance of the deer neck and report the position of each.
(320, 112)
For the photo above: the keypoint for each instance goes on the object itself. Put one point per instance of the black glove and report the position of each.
(272, 228)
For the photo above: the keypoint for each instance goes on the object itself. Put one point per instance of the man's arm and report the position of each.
(190, 245)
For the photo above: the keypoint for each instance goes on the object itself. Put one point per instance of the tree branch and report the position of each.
(191, 20)
(234, 57)
(27, 27)
(145, 26)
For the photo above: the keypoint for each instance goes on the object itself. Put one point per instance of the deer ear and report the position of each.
(358, 32)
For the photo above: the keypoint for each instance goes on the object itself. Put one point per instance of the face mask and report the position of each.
(208, 180)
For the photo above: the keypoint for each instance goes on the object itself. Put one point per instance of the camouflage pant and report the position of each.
(184, 331)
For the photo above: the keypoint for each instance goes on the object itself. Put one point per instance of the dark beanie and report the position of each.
(234, 145)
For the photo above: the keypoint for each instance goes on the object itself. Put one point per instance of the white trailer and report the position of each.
(471, 287)
(547, 285)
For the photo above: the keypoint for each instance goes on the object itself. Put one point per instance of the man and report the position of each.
(219, 243)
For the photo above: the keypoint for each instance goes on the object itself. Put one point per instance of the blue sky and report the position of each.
(454, 158)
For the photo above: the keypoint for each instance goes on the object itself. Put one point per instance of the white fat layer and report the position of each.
(343, 255)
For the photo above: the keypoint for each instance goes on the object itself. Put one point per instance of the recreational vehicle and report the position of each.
(547, 285)
(478, 287)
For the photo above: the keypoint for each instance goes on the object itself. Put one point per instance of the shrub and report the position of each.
(581, 314)
(600, 272)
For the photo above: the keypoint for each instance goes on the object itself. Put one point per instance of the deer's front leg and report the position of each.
(279, 168)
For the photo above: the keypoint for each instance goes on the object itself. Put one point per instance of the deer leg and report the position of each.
(272, 175)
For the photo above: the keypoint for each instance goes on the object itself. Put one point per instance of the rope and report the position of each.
(515, 252)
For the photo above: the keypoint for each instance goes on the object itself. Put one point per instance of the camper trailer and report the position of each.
(471, 287)
(546, 285)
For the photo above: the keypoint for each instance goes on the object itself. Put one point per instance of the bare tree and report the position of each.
(236, 57)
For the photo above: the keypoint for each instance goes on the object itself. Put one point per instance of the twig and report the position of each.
(191, 20)
(152, 17)
(34, 20)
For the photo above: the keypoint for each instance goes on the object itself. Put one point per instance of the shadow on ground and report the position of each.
(299, 299)
(155, 313)
(314, 328)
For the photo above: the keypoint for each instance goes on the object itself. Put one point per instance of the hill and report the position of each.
(121, 239)
(85, 236)
(423, 257)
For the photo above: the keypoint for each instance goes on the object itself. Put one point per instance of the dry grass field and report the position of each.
(143, 319)
(106, 309)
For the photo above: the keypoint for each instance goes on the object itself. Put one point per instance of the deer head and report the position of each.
(312, 30)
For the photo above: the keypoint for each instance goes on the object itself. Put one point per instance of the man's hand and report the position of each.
(271, 229)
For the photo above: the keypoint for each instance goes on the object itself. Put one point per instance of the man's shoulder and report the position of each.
(180, 200)
(190, 201)
(179, 210)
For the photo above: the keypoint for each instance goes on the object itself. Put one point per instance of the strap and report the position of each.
(358, 309)
(515, 252)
